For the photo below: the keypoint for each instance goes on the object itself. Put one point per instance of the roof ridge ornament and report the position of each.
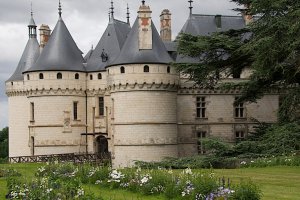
(191, 7)
(128, 15)
(143, 2)
(59, 8)
(112, 9)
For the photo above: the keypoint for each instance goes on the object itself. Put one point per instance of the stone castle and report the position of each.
(124, 96)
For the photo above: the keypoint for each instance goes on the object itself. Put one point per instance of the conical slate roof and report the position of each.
(29, 56)
(60, 53)
(131, 54)
(31, 22)
(111, 43)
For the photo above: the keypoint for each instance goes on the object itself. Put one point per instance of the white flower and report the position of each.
(183, 193)
(252, 161)
(187, 171)
(98, 182)
(170, 171)
(80, 192)
(49, 190)
(243, 163)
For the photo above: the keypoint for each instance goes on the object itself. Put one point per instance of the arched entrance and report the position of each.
(101, 145)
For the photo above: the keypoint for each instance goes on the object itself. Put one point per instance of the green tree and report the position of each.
(4, 143)
(270, 46)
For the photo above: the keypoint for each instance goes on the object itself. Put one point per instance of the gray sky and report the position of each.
(86, 21)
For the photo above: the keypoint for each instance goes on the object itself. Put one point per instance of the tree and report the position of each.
(4, 143)
(269, 46)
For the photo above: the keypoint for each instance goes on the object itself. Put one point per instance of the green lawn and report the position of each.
(275, 182)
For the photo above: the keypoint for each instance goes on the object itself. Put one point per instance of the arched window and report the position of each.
(146, 68)
(168, 70)
(59, 76)
(91, 76)
(99, 76)
(28, 77)
(122, 69)
(41, 76)
(76, 76)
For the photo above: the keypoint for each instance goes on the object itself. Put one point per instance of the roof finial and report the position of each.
(109, 14)
(59, 9)
(31, 9)
(128, 14)
(112, 9)
(191, 7)
(143, 2)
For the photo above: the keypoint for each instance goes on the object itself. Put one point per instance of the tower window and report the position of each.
(200, 147)
(168, 70)
(76, 76)
(101, 106)
(59, 76)
(28, 77)
(201, 107)
(239, 110)
(31, 111)
(99, 76)
(75, 110)
(91, 76)
(122, 70)
(41, 76)
(146, 68)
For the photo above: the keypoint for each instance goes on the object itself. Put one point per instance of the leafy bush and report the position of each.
(246, 191)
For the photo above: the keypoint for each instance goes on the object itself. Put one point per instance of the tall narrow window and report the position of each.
(59, 76)
(41, 76)
(200, 147)
(91, 77)
(239, 136)
(201, 107)
(75, 110)
(122, 70)
(99, 76)
(28, 77)
(101, 106)
(239, 110)
(146, 68)
(31, 111)
(168, 70)
(76, 76)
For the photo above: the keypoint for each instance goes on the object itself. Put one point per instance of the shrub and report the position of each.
(246, 191)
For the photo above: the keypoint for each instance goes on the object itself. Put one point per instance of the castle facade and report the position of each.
(124, 96)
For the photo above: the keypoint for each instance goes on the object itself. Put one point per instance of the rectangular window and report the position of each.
(239, 110)
(31, 111)
(239, 136)
(200, 147)
(201, 107)
(101, 106)
(75, 110)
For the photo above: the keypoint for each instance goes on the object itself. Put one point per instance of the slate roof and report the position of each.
(131, 54)
(60, 53)
(112, 42)
(206, 24)
(29, 56)
(31, 22)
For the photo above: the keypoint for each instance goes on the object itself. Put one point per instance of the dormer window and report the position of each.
(146, 68)
(59, 76)
(104, 56)
(122, 70)
(41, 76)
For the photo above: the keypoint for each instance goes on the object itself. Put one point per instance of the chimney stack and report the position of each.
(145, 29)
(165, 25)
(247, 17)
(44, 35)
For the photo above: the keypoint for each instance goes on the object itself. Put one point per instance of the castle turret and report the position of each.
(165, 26)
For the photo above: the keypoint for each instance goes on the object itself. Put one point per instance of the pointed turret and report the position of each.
(30, 53)
(143, 44)
(61, 52)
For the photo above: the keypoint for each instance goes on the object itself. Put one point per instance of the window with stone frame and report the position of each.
(31, 111)
(239, 136)
(200, 147)
(101, 106)
(75, 110)
(239, 110)
(201, 107)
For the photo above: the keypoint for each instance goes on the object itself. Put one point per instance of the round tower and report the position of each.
(144, 97)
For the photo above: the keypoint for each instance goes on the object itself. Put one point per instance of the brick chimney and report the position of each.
(165, 25)
(44, 35)
(145, 30)
(247, 18)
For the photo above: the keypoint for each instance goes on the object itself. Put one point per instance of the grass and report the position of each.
(281, 182)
